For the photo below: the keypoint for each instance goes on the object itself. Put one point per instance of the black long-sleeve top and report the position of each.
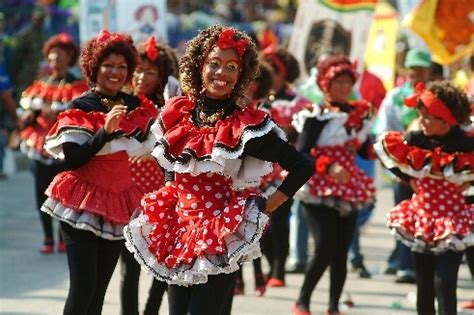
(78, 155)
(313, 128)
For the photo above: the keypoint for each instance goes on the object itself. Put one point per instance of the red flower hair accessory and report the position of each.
(65, 38)
(270, 52)
(324, 79)
(150, 48)
(226, 40)
(434, 105)
(104, 35)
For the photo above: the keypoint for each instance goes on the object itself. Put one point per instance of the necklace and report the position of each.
(110, 103)
(209, 119)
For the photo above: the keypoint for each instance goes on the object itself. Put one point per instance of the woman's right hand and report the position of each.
(114, 117)
(339, 173)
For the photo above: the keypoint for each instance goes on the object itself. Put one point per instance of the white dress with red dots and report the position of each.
(339, 140)
(437, 217)
(210, 220)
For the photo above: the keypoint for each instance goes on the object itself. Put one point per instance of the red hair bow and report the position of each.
(65, 38)
(433, 105)
(104, 35)
(270, 52)
(150, 47)
(226, 40)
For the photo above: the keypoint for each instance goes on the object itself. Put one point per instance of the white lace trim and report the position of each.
(243, 245)
(448, 172)
(451, 242)
(83, 220)
(334, 132)
(343, 207)
(244, 173)
(131, 145)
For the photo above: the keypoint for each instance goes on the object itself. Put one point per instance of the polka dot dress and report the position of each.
(147, 175)
(437, 212)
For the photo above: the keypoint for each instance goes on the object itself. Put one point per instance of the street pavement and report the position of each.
(31, 283)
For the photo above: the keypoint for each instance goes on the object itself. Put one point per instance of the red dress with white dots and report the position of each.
(210, 220)
(339, 141)
(437, 217)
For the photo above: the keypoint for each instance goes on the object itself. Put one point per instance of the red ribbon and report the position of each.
(150, 48)
(65, 38)
(434, 105)
(104, 35)
(270, 52)
(226, 40)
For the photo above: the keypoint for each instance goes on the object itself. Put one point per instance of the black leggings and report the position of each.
(437, 275)
(332, 235)
(275, 242)
(91, 261)
(130, 271)
(213, 297)
(43, 175)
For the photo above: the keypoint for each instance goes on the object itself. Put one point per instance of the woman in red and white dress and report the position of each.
(333, 133)
(154, 77)
(96, 197)
(437, 223)
(42, 101)
(195, 232)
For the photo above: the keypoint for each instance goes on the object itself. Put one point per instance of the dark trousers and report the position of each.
(437, 275)
(213, 297)
(470, 259)
(130, 271)
(91, 261)
(332, 235)
(43, 175)
(275, 242)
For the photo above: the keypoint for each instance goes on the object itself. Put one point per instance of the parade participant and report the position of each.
(156, 65)
(285, 102)
(436, 161)
(42, 101)
(196, 231)
(95, 197)
(256, 95)
(333, 133)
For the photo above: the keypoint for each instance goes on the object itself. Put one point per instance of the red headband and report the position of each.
(434, 105)
(104, 35)
(150, 48)
(324, 79)
(270, 52)
(226, 40)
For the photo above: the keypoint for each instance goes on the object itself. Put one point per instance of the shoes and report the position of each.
(297, 268)
(260, 290)
(47, 249)
(405, 278)
(390, 271)
(299, 309)
(239, 287)
(275, 283)
(61, 247)
(468, 305)
(362, 271)
(260, 286)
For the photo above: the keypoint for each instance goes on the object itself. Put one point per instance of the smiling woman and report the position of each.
(196, 231)
(95, 197)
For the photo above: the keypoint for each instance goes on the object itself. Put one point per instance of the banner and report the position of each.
(380, 52)
(445, 26)
(330, 26)
(139, 18)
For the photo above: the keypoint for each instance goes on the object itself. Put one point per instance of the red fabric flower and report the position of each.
(150, 47)
(226, 40)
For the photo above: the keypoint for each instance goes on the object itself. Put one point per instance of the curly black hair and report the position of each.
(62, 41)
(264, 80)
(167, 64)
(291, 63)
(190, 64)
(455, 99)
(94, 52)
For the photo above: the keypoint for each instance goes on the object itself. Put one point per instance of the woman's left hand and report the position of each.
(141, 158)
